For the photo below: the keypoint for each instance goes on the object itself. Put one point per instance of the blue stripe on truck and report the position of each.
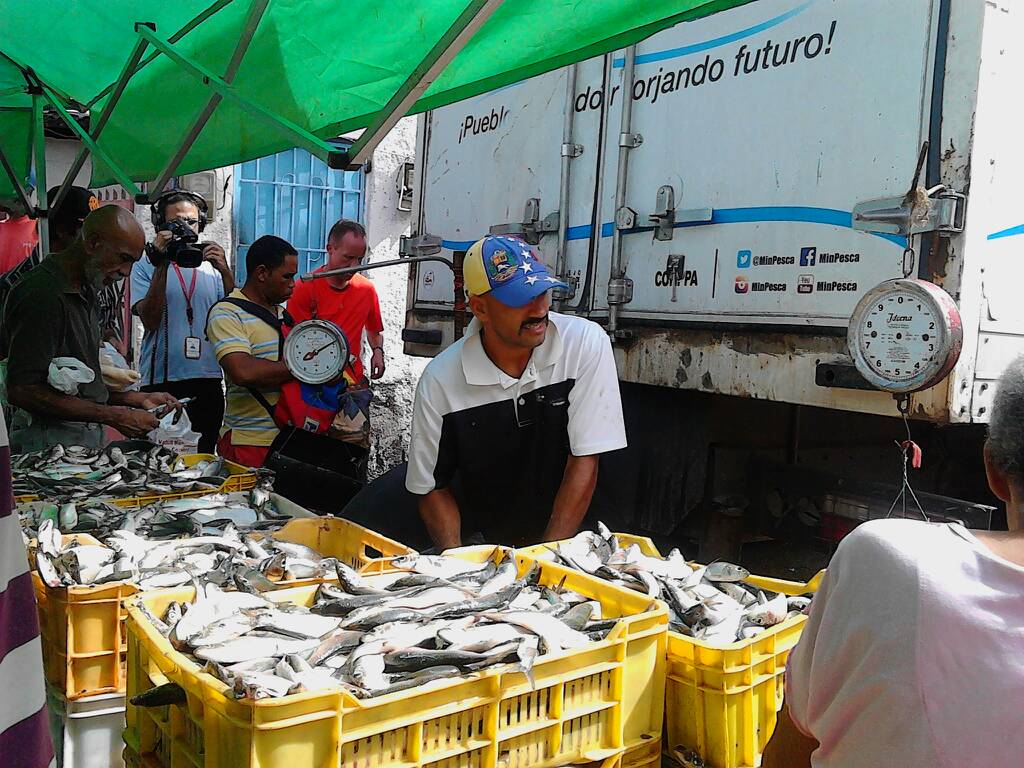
(686, 50)
(751, 215)
(1018, 230)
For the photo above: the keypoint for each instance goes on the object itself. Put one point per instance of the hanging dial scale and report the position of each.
(316, 351)
(905, 335)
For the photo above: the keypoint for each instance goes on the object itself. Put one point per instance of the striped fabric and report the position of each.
(231, 329)
(24, 723)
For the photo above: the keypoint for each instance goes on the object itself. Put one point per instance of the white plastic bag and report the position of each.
(175, 433)
(117, 374)
(66, 373)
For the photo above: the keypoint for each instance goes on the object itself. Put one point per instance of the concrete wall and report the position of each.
(392, 410)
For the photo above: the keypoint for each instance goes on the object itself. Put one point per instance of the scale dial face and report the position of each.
(316, 351)
(905, 335)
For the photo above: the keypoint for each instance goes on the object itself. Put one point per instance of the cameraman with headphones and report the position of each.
(173, 286)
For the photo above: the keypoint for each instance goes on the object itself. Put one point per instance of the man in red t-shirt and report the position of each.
(349, 301)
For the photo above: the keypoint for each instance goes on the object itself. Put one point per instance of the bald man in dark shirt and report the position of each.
(54, 312)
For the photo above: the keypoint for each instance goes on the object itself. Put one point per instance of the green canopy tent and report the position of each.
(181, 87)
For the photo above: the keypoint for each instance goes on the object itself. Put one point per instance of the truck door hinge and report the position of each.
(418, 245)
(625, 218)
(620, 290)
(532, 227)
(938, 210)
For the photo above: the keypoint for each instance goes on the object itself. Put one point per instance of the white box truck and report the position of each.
(721, 196)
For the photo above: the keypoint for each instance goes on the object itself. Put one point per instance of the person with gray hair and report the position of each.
(911, 655)
(54, 313)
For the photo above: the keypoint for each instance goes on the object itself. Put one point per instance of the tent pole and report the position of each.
(39, 144)
(19, 188)
(123, 178)
(129, 69)
(468, 23)
(252, 21)
(303, 138)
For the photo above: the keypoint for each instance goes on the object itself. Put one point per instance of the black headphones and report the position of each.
(158, 209)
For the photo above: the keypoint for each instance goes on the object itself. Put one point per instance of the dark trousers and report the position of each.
(206, 411)
(387, 507)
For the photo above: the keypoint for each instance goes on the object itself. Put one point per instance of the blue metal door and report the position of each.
(293, 195)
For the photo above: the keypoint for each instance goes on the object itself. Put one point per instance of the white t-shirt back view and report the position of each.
(913, 654)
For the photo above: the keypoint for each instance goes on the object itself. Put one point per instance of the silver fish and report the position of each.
(47, 571)
(257, 685)
(414, 659)
(296, 550)
(767, 613)
(333, 645)
(480, 638)
(299, 624)
(553, 633)
(368, 672)
(720, 571)
(436, 565)
(798, 603)
(506, 575)
(253, 645)
(711, 603)
(212, 604)
(353, 583)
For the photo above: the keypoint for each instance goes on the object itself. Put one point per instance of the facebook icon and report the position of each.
(808, 256)
(743, 259)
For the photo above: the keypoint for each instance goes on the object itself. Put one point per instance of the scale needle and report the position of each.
(315, 352)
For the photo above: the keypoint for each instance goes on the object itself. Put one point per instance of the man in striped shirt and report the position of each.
(248, 348)
(24, 723)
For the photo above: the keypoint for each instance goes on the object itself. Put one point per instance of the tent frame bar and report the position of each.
(130, 68)
(83, 136)
(256, 10)
(39, 148)
(19, 188)
(317, 146)
(462, 30)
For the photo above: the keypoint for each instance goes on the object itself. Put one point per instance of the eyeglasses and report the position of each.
(188, 220)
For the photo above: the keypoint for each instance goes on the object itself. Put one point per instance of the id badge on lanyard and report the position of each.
(193, 344)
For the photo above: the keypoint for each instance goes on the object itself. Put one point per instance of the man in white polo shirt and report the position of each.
(516, 412)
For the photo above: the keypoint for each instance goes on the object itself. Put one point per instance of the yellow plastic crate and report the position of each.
(239, 479)
(646, 755)
(722, 702)
(363, 549)
(132, 759)
(589, 705)
(82, 628)
(82, 634)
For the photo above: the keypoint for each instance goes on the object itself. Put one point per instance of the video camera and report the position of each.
(184, 249)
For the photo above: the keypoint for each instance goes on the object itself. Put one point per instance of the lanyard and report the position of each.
(187, 293)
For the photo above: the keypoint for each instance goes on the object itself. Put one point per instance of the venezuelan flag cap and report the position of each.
(508, 269)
